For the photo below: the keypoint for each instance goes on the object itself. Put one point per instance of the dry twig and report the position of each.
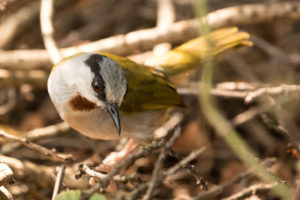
(6, 174)
(145, 39)
(52, 155)
(36, 134)
(59, 179)
(253, 189)
(48, 30)
(157, 172)
(220, 188)
(282, 89)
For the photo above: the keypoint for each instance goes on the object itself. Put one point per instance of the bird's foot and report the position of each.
(114, 157)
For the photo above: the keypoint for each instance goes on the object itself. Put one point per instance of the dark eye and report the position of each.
(96, 86)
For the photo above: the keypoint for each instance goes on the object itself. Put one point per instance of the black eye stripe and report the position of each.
(94, 62)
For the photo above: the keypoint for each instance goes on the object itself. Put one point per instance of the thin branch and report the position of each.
(282, 89)
(17, 23)
(253, 189)
(157, 172)
(41, 175)
(6, 174)
(59, 179)
(36, 134)
(174, 120)
(220, 188)
(165, 14)
(5, 194)
(143, 40)
(15, 78)
(182, 164)
(48, 30)
(52, 155)
(10, 102)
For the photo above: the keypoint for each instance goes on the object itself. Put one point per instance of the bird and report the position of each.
(108, 97)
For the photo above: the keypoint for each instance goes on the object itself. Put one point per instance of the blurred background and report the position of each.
(267, 120)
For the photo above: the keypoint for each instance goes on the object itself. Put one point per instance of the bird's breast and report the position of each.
(97, 123)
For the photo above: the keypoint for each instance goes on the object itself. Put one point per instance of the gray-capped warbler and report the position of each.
(105, 96)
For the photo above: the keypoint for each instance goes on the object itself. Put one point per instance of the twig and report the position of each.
(48, 31)
(52, 155)
(253, 189)
(156, 144)
(17, 23)
(59, 179)
(273, 51)
(175, 119)
(10, 101)
(86, 169)
(143, 40)
(6, 174)
(39, 133)
(15, 78)
(215, 91)
(250, 114)
(41, 175)
(182, 164)
(165, 14)
(191, 168)
(165, 19)
(5, 194)
(220, 188)
(282, 89)
(157, 174)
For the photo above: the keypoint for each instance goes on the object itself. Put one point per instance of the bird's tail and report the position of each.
(193, 52)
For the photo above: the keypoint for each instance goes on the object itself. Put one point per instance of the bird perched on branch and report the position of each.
(105, 96)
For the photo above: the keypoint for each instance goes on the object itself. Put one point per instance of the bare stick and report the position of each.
(59, 179)
(145, 39)
(39, 133)
(250, 114)
(251, 190)
(48, 31)
(15, 78)
(41, 175)
(182, 164)
(220, 188)
(11, 101)
(6, 174)
(52, 155)
(15, 24)
(157, 174)
(5, 194)
(165, 14)
(282, 89)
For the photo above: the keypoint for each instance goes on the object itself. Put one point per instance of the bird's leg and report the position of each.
(114, 157)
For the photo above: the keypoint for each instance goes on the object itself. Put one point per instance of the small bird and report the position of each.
(104, 96)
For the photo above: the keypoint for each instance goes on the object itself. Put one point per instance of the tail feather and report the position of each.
(193, 52)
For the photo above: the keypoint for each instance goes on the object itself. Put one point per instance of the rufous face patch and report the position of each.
(79, 103)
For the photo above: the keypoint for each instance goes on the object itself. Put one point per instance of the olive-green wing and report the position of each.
(193, 52)
(147, 89)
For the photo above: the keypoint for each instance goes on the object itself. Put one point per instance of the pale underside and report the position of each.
(98, 124)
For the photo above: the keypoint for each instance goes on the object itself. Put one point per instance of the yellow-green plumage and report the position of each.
(149, 88)
(193, 52)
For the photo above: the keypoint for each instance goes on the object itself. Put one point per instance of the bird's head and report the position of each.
(88, 81)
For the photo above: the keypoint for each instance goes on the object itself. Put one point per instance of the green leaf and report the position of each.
(69, 195)
(97, 196)
(75, 195)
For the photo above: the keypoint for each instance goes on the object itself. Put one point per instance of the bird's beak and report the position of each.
(113, 110)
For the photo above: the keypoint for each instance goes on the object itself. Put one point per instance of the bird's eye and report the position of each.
(96, 86)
